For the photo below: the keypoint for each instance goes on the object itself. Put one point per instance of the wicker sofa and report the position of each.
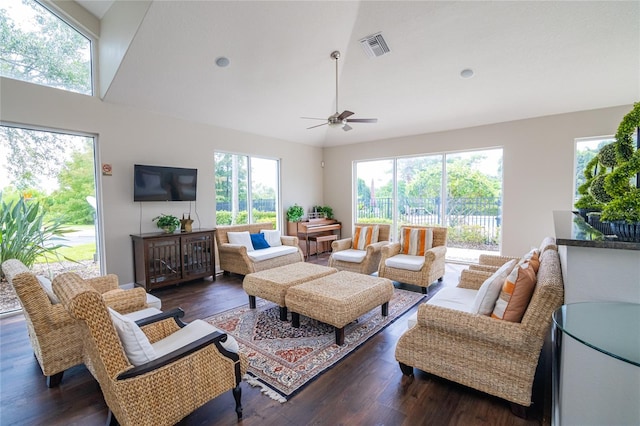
(236, 258)
(55, 336)
(491, 355)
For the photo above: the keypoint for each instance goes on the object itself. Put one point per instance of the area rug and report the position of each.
(283, 359)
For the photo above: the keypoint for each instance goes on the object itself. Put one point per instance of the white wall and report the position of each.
(127, 136)
(538, 163)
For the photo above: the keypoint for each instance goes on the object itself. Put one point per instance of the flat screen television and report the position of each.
(158, 183)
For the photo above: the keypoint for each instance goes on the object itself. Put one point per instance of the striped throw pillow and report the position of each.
(365, 235)
(416, 241)
(515, 294)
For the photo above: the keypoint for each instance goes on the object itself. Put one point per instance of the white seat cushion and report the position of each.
(192, 332)
(405, 261)
(45, 283)
(153, 301)
(459, 299)
(271, 252)
(142, 313)
(349, 255)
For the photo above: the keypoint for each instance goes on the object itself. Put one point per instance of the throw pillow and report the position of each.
(489, 291)
(415, 241)
(533, 257)
(272, 236)
(515, 294)
(243, 238)
(365, 235)
(135, 343)
(45, 283)
(258, 241)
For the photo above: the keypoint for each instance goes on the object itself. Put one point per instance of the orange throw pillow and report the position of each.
(415, 241)
(515, 294)
(365, 235)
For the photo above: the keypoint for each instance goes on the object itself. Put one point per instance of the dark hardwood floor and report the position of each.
(364, 389)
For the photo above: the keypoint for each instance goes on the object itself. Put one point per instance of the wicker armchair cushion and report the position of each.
(242, 238)
(405, 261)
(515, 294)
(270, 253)
(272, 236)
(135, 343)
(192, 332)
(45, 283)
(489, 291)
(350, 255)
(415, 241)
(365, 235)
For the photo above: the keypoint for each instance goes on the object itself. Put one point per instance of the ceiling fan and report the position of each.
(340, 118)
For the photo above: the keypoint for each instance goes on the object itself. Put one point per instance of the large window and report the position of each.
(462, 191)
(38, 47)
(247, 189)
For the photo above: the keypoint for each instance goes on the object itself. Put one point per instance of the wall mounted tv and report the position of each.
(157, 183)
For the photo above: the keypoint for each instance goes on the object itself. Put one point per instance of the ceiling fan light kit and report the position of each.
(340, 119)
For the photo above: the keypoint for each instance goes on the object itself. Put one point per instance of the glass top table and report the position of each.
(612, 328)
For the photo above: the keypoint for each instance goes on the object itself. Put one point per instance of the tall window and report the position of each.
(461, 191)
(247, 189)
(39, 47)
(586, 150)
(57, 171)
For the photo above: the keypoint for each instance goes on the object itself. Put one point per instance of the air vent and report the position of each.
(374, 45)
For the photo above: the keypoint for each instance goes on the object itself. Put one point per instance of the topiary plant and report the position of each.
(625, 208)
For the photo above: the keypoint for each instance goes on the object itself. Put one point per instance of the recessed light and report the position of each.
(222, 61)
(466, 73)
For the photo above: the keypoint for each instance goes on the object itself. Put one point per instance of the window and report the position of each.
(586, 150)
(247, 189)
(39, 47)
(462, 191)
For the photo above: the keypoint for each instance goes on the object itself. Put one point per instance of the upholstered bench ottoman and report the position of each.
(272, 284)
(338, 299)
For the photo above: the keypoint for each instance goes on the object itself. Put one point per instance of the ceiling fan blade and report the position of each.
(323, 124)
(314, 118)
(362, 120)
(346, 127)
(345, 114)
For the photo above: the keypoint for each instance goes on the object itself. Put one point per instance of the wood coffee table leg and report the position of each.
(252, 302)
(283, 313)
(385, 309)
(339, 336)
(295, 319)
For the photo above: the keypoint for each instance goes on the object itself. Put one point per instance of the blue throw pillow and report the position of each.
(259, 242)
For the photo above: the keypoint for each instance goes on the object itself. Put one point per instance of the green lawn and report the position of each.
(80, 252)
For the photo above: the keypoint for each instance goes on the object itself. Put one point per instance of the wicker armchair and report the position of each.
(431, 270)
(234, 258)
(161, 391)
(365, 261)
(491, 355)
(55, 336)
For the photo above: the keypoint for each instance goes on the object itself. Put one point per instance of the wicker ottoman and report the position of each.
(338, 299)
(272, 284)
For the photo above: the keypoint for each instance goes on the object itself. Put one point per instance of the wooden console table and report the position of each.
(162, 259)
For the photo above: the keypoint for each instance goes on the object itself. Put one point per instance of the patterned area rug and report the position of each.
(283, 359)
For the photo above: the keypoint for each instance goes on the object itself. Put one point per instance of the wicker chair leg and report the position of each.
(237, 395)
(424, 290)
(111, 419)
(519, 410)
(54, 380)
(407, 370)
(440, 279)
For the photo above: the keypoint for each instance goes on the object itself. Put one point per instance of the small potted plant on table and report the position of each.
(168, 223)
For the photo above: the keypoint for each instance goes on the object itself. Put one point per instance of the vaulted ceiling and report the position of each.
(529, 58)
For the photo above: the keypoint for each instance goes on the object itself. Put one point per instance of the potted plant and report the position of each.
(168, 223)
(326, 211)
(295, 213)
